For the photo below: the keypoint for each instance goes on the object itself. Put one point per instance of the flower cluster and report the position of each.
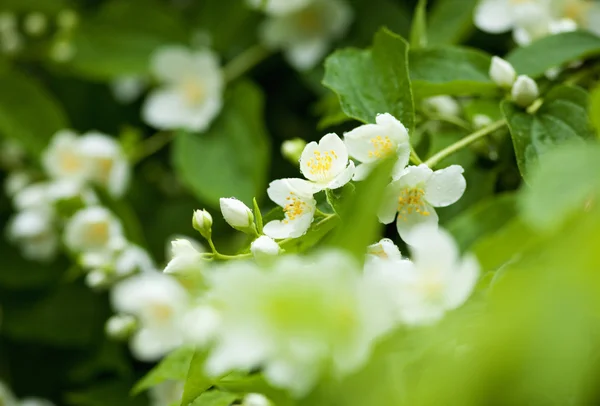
(524, 91)
(533, 19)
(63, 207)
(303, 29)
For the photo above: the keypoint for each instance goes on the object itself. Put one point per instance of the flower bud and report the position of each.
(120, 326)
(237, 214)
(444, 106)
(264, 248)
(292, 149)
(35, 24)
(502, 72)
(97, 279)
(524, 91)
(202, 222)
(255, 399)
(481, 120)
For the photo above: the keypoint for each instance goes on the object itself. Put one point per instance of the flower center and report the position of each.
(382, 147)
(294, 208)
(575, 9)
(97, 233)
(160, 312)
(321, 163)
(193, 91)
(411, 201)
(70, 162)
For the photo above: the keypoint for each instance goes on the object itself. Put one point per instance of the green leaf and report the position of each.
(255, 383)
(565, 182)
(373, 81)
(360, 226)
(196, 382)
(317, 231)
(174, 367)
(562, 118)
(375, 14)
(450, 21)
(28, 113)
(418, 31)
(455, 71)
(232, 158)
(594, 110)
(482, 219)
(215, 398)
(553, 51)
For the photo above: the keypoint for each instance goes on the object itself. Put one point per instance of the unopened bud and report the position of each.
(481, 120)
(237, 214)
(502, 72)
(264, 248)
(255, 399)
(292, 149)
(202, 222)
(444, 106)
(524, 91)
(97, 279)
(35, 24)
(120, 326)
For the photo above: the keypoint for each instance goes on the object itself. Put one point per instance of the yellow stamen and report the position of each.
(382, 147)
(321, 163)
(296, 207)
(411, 201)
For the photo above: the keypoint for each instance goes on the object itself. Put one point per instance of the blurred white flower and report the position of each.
(132, 259)
(63, 157)
(158, 301)
(107, 164)
(306, 34)
(435, 281)
(294, 320)
(326, 163)
(166, 393)
(415, 193)
(185, 257)
(8, 21)
(191, 93)
(11, 42)
(295, 196)
(236, 214)
(264, 248)
(97, 279)
(34, 231)
(502, 72)
(481, 120)
(383, 250)
(524, 91)
(443, 106)
(16, 182)
(278, 7)
(255, 399)
(120, 326)
(292, 149)
(35, 195)
(35, 24)
(126, 89)
(62, 50)
(94, 229)
(370, 143)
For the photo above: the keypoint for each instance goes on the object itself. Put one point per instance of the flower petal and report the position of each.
(413, 176)
(445, 186)
(389, 205)
(403, 153)
(494, 16)
(358, 142)
(462, 283)
(433, 249)
(307, 154)
(344, 177)
(280, 189)
(279, 229)
(163, 109)
(333, 144)
(170, 64)
(393, 128)
(362, 171)
(408, 223)
(305, 55)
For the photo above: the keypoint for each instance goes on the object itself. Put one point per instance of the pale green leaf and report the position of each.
(418, 31)
(196, 382)
(174, 367)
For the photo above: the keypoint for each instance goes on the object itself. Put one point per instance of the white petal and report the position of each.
(433, 249)
(494, 16)
(280, 189)
(358, 142)
(151, 345)
(334, 144)
(306, 158)
(403, 153)
(413, 176)
(279, 229)
(407, 224)
(462, 283)
(445, 186)
(389, 205)
(362, 171)
(163, 109)
(343, 177)
(307, 54)
(394, 128)
(170, 64)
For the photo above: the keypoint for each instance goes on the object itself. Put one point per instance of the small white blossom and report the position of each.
(443, 106)
(524, 91)
(255, 399)
(191, 93)
(158, 301)
(166, 393)
(326, 163)
(94, 229)
(185, 257)
(292, 149)
(264, 248)
(108, 165)
(384, 249)
(502, 72)
(295, 196)
(97, 279)
(306, 34)
(16, 182)
(415, 193)
(296, 319)
(371, 143)
(63, 157)
(236, 213)
(133, 259)
(278, 7)
(34, 231)
(35, 195)
(120, 326)
(126, 89)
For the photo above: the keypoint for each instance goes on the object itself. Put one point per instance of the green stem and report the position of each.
(468, 140)
(414, 157)
(459, 122)
(152, 145)
(244, 62)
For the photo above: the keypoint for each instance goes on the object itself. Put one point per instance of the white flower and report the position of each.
(292, 149)
(15, 182)
(108, 165)
(326, 163)
(159, 302)
(236, 213)
(435, 281)
(278, 7)
(185, 257)
(93, 229)
(200, 325)
(296, 319)
(97, 279)
(120, 326)
(166, 393)
(34, 231)
(264, 248)
(295, 196)
(370, 143)
(63, 157)
(415, 193)
(126, 89)
(524, 91)
(191, 95)
(502, 72)
(385, 250)
(305, 34)
(36, 195)
(255, 399)
(133, 259)
(443, 106)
